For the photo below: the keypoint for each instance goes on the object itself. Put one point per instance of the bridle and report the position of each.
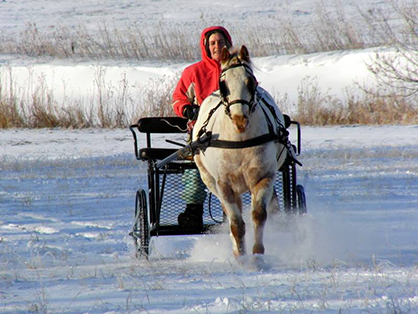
(224, 91)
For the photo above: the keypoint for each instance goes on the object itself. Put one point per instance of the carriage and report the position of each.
(158, 203)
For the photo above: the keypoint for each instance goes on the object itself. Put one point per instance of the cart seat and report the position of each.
(162, 125)
(153, 125)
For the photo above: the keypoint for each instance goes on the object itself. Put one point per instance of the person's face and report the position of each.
(216, 43)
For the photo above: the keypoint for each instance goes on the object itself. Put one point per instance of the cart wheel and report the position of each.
(141, 230)
(301, 199)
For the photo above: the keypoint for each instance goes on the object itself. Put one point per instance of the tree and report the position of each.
(396, 64)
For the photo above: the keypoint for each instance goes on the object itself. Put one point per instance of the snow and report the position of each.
(68, 204)
(16, 14)
(67, 199)
(280, 75)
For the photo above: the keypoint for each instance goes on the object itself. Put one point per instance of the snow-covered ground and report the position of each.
(67, 196)
(67, 206)
(47, 14)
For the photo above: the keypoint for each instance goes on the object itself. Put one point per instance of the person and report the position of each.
(197, 82)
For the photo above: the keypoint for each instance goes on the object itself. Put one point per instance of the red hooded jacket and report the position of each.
(200, 79)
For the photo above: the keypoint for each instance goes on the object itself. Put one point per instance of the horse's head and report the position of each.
(237, 86)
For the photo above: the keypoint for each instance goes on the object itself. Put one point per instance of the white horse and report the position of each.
(248, 145)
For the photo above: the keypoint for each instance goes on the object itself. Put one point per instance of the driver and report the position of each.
(197, 82)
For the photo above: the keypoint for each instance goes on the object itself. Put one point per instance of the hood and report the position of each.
(202, 40)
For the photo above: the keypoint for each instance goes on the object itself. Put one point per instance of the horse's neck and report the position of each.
(258, 122)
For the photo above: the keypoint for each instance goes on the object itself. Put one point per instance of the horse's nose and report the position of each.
(240, 122)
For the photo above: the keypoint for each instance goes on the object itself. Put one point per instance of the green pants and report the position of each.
(194, 188)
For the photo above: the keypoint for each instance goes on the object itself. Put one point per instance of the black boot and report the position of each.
(192, 218)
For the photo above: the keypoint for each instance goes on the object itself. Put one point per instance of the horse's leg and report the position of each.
(262, 194)
(205, 175)
(273, 207)
(232, 205)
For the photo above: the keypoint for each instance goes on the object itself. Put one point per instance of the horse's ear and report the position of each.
(225, 54)
(244, 54)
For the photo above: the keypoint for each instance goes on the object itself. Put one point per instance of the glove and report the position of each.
(190, 112)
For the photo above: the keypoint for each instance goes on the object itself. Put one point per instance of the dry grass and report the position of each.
(330, 29)
(361, 106)
(108, 42)
(108, 107)
(119, 106)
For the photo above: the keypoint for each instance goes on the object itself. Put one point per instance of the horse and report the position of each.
(248, 144)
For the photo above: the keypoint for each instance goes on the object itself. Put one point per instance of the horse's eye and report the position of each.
(223, 88)
(250, 84)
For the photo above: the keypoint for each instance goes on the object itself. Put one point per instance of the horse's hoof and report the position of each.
(258, 263)
(241, 260)
(254, 262)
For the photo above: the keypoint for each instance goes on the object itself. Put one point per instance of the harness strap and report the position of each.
(272, 111)
(259, 140)
(281, 137)
(205, 124)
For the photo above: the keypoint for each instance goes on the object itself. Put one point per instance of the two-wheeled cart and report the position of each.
(158, 205)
